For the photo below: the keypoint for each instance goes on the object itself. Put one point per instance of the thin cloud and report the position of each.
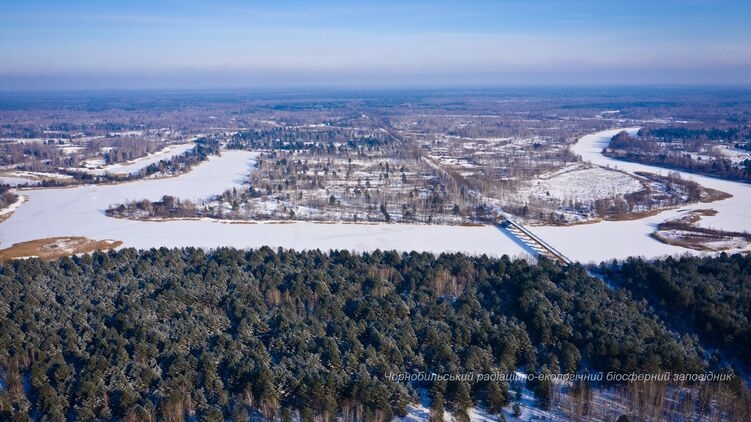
(389, 40)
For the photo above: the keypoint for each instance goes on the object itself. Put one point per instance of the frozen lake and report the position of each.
(79, 211)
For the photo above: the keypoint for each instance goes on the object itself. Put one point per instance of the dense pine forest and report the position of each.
(173, 333)
(709, 297)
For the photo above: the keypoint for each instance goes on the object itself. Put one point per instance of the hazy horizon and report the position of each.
(87, 45)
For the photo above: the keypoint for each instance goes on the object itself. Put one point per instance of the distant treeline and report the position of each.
(670, 134)
(170, 334)
(646, 150)
(331, 140)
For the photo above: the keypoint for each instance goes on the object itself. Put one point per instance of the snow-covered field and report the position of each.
(733, 154)
(71, 149)
(579, 183)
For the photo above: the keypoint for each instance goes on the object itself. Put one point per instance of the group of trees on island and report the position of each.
(165, 334)
(117, 150)
(328, 173)
(7, 196)
(204, 148)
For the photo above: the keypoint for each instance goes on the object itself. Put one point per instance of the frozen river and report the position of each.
(79, 211)
(621, 239)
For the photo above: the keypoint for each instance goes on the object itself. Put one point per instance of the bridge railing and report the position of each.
(508, 222)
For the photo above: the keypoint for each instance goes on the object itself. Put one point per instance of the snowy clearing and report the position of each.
(735, 155)
(580, 183)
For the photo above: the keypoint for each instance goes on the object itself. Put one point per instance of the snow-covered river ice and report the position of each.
(79, 211)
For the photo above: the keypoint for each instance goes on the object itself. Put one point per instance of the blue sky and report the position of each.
(221, 44)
